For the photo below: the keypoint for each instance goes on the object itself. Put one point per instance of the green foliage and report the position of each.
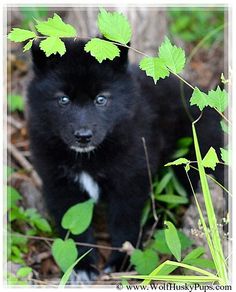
(101, 49)
(160, 245)
(53, 30)
(199, 98)
(211, 159)
(172, 199)
(64, 252)
(144, 261)
(172, 240)
(173, 57)
(224, 155)
(178, 161)
(224, 126)
(30, 13)
(55, 27)
(24, 272)
(15, 102)
(217, 99)
(20, 35)
(114, 26)
(68, 272)
(13, 197)
(193, 24)
(183, 147)
(154, 67)
(52, 45)
(28, 46)
(78, 218)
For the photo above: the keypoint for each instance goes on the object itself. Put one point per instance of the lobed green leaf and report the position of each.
(52, 45)
(20, 35)
(218, 99)
(114, 26)
(144, 261)
(178, 161)
(154, 67)
(211, 159)
(56, 27)
(199, 98)
(102, 50)
(173, 57)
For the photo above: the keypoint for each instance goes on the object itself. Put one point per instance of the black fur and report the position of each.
(136, 108)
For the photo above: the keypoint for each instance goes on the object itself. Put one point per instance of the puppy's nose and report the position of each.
(83, 135)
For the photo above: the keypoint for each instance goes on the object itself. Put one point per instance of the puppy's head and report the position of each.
(78, 99)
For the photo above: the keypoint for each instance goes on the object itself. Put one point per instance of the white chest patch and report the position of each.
(89, 185)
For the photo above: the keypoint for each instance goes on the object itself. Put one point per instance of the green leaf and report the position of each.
(101, 49)
(78, 218)
(172, 199)
(163, 183)
(145, 213)
(17, 239)
(172, 240)
(178, 187)
(154, 67)
(68, 272)
(114, 26)
(144, 261)
(185, 142)
(199, 98)
(42, 224)
(224, 155)
(52, 45)
(210, 160)
(180, 152)
(194, 254)
(224, 126)
(218, 99)
(13, 196)
(173, 57)
(15, 102)
(201, 263)
(178, 161)
(9, 170)
(64, 252)
(28, 46)
(187, 167)
(55, 27)
(24, 272)
(20, 35)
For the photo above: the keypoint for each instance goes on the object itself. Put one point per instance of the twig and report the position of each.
(150, 179)
(77, 243)
(24, 163)
(15, 123)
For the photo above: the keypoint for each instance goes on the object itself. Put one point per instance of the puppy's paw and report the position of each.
(83, 277)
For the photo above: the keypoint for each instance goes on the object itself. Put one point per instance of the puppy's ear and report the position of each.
(124, 55)
(41, 63)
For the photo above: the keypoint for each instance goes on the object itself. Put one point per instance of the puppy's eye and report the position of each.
(100, 100)
(63, 100)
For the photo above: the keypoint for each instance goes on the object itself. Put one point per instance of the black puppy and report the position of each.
(86, 123)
